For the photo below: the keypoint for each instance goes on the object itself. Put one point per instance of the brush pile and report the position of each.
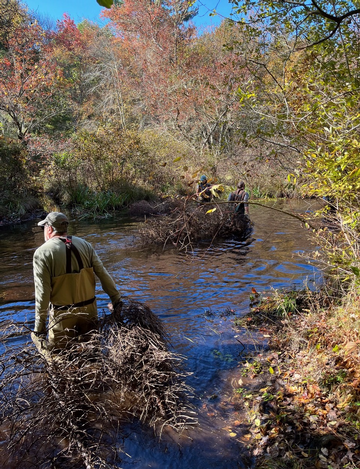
(70, 411)
(190, 222)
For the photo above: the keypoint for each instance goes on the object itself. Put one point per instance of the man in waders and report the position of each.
(64, 278)
(240, 195)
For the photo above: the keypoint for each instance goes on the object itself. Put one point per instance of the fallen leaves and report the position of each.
(305, 409)
(293, 418)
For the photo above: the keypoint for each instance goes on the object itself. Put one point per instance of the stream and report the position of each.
(197, 295)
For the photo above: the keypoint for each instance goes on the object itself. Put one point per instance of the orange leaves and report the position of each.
(70, 37)
(182, 82)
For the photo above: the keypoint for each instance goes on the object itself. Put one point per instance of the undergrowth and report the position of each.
(305, 412)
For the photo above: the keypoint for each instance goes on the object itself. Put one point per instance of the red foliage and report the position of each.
(68, 35)
(183, 81)
(28, 75)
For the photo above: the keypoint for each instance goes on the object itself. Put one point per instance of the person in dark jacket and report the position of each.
(240, 195)
(203, 190)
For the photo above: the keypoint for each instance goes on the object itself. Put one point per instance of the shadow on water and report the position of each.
(196, 295)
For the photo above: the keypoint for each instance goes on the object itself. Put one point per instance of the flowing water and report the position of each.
(196, 294)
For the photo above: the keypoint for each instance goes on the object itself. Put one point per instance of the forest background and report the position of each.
(94, 118)
(97, 117)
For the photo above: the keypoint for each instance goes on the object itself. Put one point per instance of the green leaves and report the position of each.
(105, 3)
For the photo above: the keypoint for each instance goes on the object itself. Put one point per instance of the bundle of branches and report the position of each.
(130, 313)
(69, 411)
(152, 378)
(191, 221)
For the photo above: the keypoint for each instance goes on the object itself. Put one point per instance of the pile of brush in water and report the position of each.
(151, 376)
(69, 411)
(190, 221)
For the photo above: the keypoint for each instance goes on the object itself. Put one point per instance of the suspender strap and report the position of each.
(70, 247)
(240, 195)
(68, 244)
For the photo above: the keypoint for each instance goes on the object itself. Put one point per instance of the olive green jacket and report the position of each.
(49, 261)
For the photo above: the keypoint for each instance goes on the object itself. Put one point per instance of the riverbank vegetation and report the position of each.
(305, 412)
(95, 118)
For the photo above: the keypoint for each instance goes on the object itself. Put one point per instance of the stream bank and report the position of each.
(301, 392)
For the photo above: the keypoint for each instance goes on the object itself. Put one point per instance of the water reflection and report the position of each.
(182, 288)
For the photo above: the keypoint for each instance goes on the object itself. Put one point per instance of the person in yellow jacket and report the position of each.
(64, 277)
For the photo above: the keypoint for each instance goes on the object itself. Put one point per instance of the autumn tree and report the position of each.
(109, 94)
(151, 38)
(305, 90)
(11, 15)
(176, 80)
(290, 86)
(73, 50)
(30, 79)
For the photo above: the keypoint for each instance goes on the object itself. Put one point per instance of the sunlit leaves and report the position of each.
(307, 21)
(217, 189)
(184, 83)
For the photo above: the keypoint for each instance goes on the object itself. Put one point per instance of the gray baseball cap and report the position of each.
(57, 220)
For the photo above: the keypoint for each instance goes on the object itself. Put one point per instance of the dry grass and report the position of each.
(69, 412)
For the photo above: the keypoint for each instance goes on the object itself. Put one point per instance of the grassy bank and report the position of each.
(99, 173)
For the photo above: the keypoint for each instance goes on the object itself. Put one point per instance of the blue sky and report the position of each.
(89, 9)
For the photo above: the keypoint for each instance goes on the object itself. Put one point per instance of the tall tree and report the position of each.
(179, 81)
(29, 79)
(306, 90)
(73, 50)
(284, 73)
(155, 36)
(11, 16)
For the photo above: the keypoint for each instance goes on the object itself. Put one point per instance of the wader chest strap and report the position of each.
(70, 247)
